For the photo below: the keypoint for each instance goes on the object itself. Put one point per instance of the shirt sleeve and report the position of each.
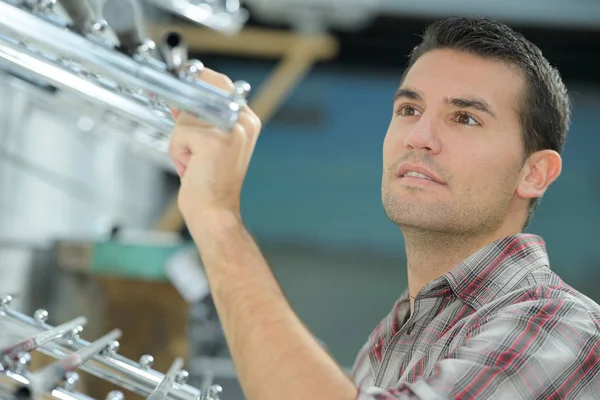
(538, 349)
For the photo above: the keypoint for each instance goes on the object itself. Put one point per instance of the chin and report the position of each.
(412, 215)
(425, 224)
(411, 206)
(403, 214)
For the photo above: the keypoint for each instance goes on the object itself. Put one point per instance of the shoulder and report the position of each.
(543, 309)
(561, 300)
(543, 337)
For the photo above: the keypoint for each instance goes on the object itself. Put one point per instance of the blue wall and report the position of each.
(322, 183)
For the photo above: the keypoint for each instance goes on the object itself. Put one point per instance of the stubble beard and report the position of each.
(460, 219)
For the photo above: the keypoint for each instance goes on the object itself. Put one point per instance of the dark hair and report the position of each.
(545, 110)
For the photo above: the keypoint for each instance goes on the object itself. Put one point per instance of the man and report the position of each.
(476, 130)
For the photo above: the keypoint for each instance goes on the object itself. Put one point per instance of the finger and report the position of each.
(250, 122)
(246, 132)
(180, 168)
(254, 120)
(174, 113)
(187, 119)
(239, 142)
(216, 79)
(180, 154)
(243, 135)
(211, 77)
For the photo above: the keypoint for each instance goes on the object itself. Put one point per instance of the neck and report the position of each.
(431, 255)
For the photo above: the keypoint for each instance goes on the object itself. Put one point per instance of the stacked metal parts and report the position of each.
(226, 16)
(22, 335)
(72, 66)
(69, 46)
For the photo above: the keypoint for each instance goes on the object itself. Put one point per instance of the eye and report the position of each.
(407, 111)
(465, 119)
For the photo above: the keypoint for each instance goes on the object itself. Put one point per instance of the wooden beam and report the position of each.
(255, 42)
(171, 219)
(295, 64)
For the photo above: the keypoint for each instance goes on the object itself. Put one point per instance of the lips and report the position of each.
(416, 171)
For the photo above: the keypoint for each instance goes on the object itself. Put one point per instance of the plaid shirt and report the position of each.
(500, 325)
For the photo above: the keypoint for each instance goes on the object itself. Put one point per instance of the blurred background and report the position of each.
(87, 221)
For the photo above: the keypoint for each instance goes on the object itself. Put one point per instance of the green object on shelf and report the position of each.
(137, 261)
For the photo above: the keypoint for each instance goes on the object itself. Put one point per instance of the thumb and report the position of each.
(174, 113)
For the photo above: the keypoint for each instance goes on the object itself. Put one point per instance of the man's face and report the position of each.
(456, 116)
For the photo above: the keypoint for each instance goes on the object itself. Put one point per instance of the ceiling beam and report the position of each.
(253, 42)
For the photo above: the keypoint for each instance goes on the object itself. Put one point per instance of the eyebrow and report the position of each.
(460, 102)
(471, 102)
(408, 93)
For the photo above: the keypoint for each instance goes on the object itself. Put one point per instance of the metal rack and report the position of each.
(67, 47)
(20, 335)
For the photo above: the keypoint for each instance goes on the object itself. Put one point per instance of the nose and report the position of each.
(423, 135)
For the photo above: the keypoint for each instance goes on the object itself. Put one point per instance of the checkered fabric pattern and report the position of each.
(501, 325)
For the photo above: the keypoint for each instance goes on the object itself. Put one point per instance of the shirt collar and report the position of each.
(497, 268)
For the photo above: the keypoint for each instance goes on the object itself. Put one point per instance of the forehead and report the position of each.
(443, 73)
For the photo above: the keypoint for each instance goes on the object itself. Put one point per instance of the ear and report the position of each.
(540, 170)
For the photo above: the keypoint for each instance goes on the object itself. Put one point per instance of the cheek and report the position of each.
(484, 171)
(391, 147)
(393, 142)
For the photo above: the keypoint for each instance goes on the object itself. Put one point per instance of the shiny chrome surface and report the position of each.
(10, 382)
(8, 354)
(83, 15)
(226, 16)
(49, 377)
(173, 49)
(40, 47)
(138, 377)
(162, 389)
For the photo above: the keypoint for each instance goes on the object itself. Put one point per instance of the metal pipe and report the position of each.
(162, 390)
(126, 19)
(33, 342)
(102, 75)
(226, 17)
(13, 58)
(174, 51)
(10, 381)
(47, 378)
(114, 368)
(81, 13)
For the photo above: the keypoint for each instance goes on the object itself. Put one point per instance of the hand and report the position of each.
(212, 163)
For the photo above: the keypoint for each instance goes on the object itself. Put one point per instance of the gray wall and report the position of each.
(341, 296)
